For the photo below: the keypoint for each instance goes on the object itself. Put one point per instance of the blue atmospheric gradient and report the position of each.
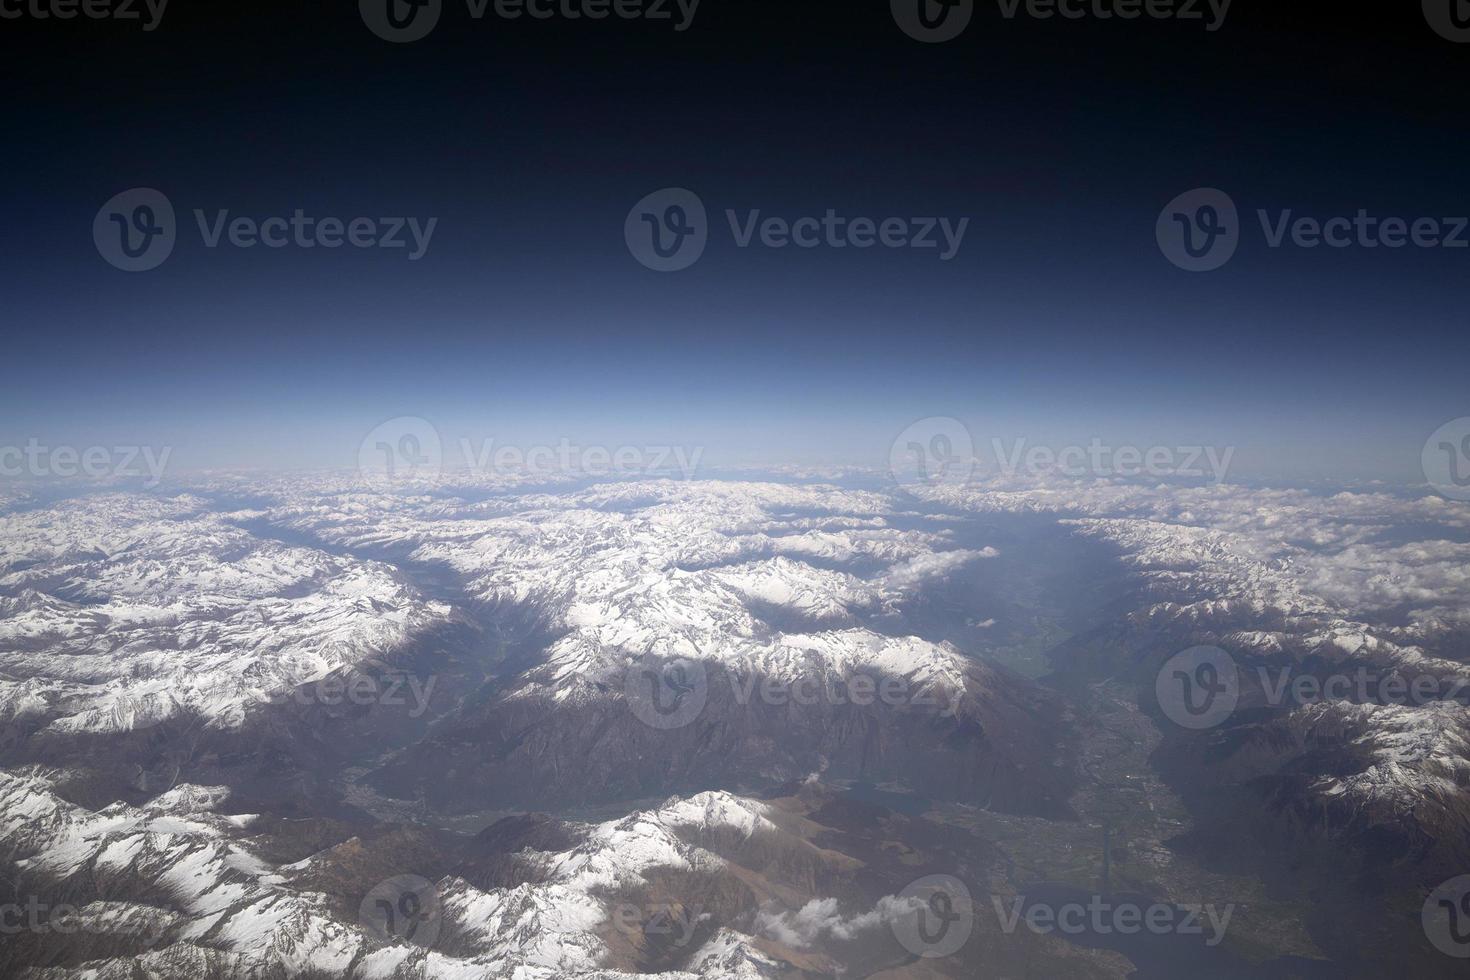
(526, 320)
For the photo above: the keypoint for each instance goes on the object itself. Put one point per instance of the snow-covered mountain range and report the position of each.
(201, 754)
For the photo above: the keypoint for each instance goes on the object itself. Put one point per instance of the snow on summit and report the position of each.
(122, 612)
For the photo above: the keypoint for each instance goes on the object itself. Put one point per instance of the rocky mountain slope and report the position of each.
(302, 727)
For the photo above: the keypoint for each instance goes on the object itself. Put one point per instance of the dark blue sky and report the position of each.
(528, 320)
